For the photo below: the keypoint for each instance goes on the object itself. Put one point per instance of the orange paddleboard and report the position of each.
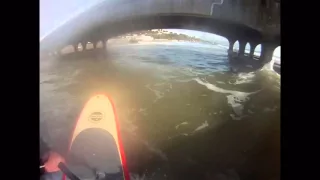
(96, 143)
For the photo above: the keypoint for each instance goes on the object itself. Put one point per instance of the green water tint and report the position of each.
(192, 129)
(174, 127)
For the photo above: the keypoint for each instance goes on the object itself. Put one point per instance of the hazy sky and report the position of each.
(55, 12)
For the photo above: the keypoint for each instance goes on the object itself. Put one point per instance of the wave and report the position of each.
(235, 99)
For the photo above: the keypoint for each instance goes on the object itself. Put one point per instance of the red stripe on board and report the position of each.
(122, 153)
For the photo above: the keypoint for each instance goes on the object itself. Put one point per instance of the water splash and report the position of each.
(243, 78)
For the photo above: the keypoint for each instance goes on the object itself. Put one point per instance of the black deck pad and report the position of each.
(95, 150)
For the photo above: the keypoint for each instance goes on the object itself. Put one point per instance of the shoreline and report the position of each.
(154, 41)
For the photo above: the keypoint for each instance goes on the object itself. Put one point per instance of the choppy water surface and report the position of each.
(183, 115)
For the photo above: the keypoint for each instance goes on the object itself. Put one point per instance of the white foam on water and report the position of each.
(183, 134)
(220, 82)
(143, 111)
(272, 80)
(234, 99)
(159, 89)
(156, 151)
(244, 78)
(239, 94)
(169, 88)
(269, 65)
(246, 75)
(188, 71)
(270, 109)
(235, 104)
(202, 126)
(184, 123)
(184, 80)
(158, 93)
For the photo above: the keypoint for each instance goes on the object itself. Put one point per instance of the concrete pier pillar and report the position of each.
(104, 48)
(104, 44)
(75, 47)
(94, 45)
(267, 52)
(242, 46)
(252, 48)
(84, 46)
(231, 44)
